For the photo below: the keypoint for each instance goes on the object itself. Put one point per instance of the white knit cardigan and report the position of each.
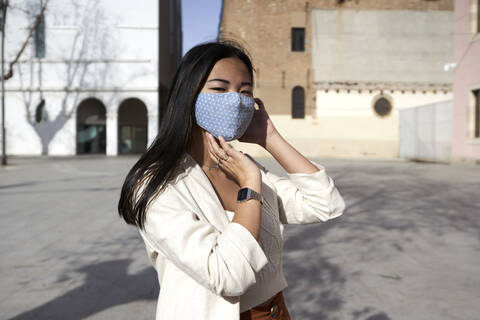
(205, 262)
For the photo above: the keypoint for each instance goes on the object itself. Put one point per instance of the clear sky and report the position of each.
(200, 20)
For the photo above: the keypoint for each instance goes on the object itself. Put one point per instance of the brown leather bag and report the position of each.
(274, 309)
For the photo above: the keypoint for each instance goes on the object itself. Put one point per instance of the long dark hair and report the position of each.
(156, 167)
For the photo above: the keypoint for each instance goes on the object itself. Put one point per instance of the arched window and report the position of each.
(132, 126)
(298, 103)
(382, 106)
(91, 127)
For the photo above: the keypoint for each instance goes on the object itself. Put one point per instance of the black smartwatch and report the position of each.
(246, 193)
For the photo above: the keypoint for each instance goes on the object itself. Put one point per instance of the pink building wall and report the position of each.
(466, 78)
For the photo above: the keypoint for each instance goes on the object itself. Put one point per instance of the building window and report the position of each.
(298, 39)
(41, 112)
(39, 38)
(476, 113)
(382, 106)
(478, 16)
(298, 103)
(132, 126)
(91, 127)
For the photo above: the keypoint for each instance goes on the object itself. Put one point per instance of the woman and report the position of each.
(211, 216)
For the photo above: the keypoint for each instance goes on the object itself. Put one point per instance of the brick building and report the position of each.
(333, 74)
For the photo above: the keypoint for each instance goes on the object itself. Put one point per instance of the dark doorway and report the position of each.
(132, 126)
(91, 127)
(298, 102)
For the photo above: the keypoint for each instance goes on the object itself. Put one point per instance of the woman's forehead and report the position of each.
(230, 68)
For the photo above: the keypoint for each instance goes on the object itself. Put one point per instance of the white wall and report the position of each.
(426, 132)
(381, 45)
(104, 49)
(349, 120)
(346, 125)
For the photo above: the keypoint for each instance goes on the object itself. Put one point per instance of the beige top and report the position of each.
(211, 268)
(270, 279)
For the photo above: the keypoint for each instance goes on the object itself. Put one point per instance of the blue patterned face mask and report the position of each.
(225, 114)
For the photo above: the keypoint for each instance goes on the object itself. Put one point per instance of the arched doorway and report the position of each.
(91, 127)
(132, 126)
(298, 102)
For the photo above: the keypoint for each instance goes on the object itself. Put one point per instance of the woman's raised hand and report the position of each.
(260, 128)
(232, 161)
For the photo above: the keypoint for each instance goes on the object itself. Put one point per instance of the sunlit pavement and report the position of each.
(407, 247)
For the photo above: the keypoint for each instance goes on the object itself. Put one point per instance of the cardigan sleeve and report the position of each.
(305, 198)
(223, 262)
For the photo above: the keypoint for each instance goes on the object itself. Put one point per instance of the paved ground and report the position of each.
(407, 247)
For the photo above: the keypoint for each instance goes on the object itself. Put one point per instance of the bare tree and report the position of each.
(83, 64)
(37, 19)
(84, 67)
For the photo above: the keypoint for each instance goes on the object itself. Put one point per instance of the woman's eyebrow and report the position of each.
(221, 80)
(228, 82)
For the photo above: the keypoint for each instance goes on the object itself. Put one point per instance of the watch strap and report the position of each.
(246, 193)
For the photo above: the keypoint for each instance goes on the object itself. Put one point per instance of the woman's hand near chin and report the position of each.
(260, 128)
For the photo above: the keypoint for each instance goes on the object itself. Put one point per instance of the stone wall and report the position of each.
(426, 132)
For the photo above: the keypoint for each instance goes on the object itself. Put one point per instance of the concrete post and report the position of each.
(152, 128)
(112, 134)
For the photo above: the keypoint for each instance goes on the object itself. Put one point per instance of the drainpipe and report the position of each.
(4, 6)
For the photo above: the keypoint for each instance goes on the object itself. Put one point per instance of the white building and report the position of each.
(96, 88)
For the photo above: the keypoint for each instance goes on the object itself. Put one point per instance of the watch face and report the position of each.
(242, 194)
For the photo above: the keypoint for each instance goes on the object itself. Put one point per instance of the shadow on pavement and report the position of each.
(106, 285)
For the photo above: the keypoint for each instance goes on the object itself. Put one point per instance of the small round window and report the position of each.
(382, 107)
